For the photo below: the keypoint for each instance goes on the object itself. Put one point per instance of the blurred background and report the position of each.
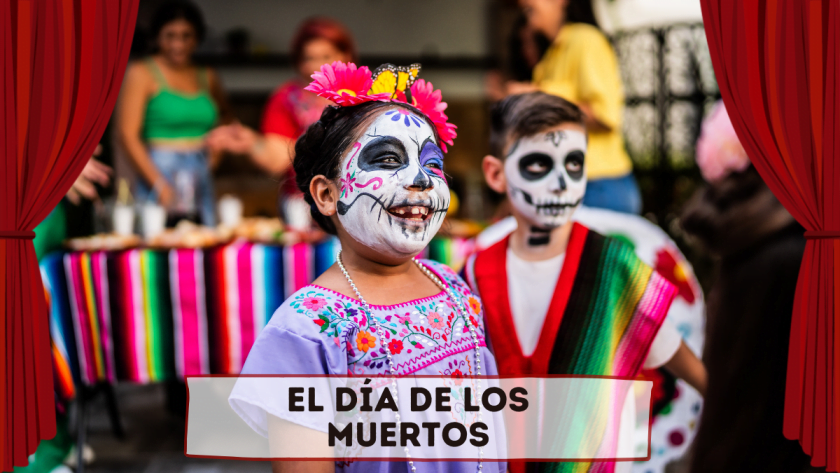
(232, 118)
(466, 48)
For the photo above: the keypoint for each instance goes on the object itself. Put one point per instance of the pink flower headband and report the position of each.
(719, 152)
(346, 85)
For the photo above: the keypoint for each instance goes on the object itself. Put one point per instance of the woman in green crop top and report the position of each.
(167, 106)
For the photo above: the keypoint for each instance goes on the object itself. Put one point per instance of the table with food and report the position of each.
(187, 300)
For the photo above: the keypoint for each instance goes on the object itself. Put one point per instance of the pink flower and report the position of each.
(347, 185)
(435, 320)
(344, 84)
(404, 319)
(719, 152)
(314, 303)
(428, 100)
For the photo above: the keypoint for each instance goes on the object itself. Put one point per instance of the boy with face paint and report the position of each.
(559, 298)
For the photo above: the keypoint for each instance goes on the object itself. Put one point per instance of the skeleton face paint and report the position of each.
(394, 195)
(546, 178)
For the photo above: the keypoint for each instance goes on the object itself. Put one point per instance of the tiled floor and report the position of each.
(154, 440)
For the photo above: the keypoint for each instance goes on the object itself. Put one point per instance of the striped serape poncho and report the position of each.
(606, 309)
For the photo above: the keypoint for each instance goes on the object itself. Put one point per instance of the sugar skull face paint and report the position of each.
(546, 178)
(394, 195)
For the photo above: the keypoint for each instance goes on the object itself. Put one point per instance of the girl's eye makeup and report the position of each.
(431, 158)
(384, 152)
(389, 159)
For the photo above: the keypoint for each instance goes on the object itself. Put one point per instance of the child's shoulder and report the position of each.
(452, 279)
(447, 274)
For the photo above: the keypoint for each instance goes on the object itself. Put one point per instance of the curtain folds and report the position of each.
(62, 67)
(776, 62)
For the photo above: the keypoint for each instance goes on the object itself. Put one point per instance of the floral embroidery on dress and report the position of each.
(454, 376)
(422, 332)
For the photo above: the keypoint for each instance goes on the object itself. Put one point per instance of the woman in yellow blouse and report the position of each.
(581, 66)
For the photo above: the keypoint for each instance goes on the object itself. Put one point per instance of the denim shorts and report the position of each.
(169, 163)
(620, 194)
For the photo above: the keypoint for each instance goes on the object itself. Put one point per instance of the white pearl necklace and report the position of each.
(458, 304)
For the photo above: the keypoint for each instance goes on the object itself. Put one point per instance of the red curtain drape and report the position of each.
(63, 63)
(778, 66)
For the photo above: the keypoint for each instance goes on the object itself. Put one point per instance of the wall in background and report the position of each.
(381, 27)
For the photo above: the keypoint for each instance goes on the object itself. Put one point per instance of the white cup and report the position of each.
(123, 219)
(298, 216)
(154, 220)
(230, 211)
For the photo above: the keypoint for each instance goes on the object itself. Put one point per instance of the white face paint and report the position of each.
(394, 195)
(546, 176)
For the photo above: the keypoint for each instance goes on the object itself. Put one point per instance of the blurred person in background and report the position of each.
(525, 47)
(290, 109)
(759, 246)
(167, 107)
(581, 66)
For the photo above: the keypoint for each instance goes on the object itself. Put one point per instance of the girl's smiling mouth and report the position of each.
(417, 213)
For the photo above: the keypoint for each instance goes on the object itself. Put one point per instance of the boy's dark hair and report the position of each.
(518, 116)
(320, 149)
(178, 10)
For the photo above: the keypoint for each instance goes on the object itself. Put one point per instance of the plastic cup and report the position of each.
(123, 221)
(230, 211)
(154, 220)
(297, 214)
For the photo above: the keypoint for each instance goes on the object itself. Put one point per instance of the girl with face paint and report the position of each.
(560, 299)
(373, 174)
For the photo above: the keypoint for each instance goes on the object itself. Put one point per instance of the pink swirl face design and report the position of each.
(394, 194)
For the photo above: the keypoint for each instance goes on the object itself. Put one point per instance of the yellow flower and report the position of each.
(365, 341)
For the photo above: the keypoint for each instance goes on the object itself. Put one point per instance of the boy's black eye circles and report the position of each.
(535, 166)
(574, 160)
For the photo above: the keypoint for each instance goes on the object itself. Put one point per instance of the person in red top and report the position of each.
(290, 109)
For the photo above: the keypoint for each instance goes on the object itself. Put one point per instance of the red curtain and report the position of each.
(777, 64)
(63, 63)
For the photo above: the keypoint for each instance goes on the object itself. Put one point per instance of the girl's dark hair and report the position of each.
(320, 149)
(580, 11)
(178, 10)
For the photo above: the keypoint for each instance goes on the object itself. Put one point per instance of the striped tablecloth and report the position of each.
(147, 315)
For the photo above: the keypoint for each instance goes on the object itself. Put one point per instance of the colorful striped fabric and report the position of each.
(628, 300)
(63, 342)
(189, 313)
(250, 281)
(145, 315)
(81, 270)
(613, 314)
(142, 315)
